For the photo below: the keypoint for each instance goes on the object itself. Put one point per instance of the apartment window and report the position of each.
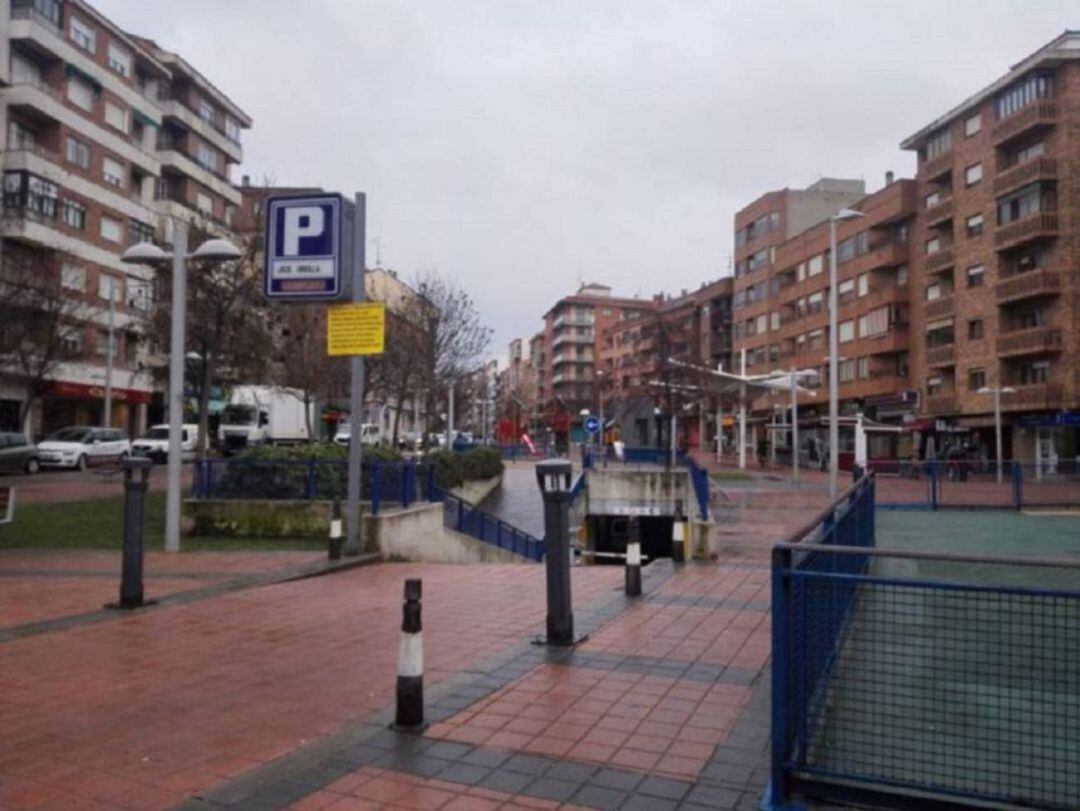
(762, 324)
(1038, 85)
(938, 144)
(1031, 259)
(940, 333)
(815, 338)
(1035, 317)
(112, 172)
(606, 312)
(1026, 201)
(139, 232)
(976, 379)
(845, 290)
(80, 93)
(19, 137)
(119, 59)
(1038, 372)
(31, 193)
(846, 371)
(73, 277)
(902, 275)
(972, 124)
(815, 265)
(1029, 152)
(973, 174)
(110, 286)
(864, 284)
(103, 341)
(140, 294)
(206, 111)
(933, 385)
(116, 117)
(774, 321)
(207, 157)
(73, 214)
(232, 129)
(875, 322)
(111, 230)
(78, 153)
(933, 245)
(83, 35)
(800, 272)
(847, 331)
(72, 341)
(933, 292)
(974, 225)
(976, 276)
(205, 204)
(975, 329)
(863, 367)
(932, 199)
(850, 248)
(815, 302)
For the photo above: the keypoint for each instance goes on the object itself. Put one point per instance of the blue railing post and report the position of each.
(933, 471)
(781, 636)
(460, 515)
(1018, 485)
(408, 484)
(376, 487)
(309, 480)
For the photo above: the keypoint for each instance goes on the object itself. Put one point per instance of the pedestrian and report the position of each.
(762, 450)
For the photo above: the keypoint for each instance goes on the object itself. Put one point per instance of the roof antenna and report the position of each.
(378, 251)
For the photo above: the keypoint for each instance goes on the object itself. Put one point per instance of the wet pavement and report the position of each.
(517, 501)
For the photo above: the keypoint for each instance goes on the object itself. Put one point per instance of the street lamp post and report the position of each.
(997, 391)
(842, 215)
(146, 253)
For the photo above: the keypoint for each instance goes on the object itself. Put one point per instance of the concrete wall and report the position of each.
(621, 490)
(417, 534)
(476, 491)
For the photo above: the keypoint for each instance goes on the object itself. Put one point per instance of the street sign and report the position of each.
(592, 425)
(356, 329)
(304, 247)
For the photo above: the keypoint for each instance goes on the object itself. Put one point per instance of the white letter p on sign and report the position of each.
(301, 221)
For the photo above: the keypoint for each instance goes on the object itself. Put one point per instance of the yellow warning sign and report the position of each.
(356, 329)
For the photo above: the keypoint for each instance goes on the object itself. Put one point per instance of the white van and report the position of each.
(370, 434)
(155, 445)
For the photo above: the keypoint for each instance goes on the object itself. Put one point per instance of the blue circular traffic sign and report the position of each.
(592, 425)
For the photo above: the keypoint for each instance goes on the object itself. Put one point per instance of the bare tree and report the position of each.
(302, 362)
(43, 323)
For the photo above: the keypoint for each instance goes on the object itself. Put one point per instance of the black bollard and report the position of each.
(553, 475)
(633, 559)
(334, 552)
(678, 534)
(131, 579)
(410, 673)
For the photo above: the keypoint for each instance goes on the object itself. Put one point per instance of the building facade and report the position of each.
(98, 128)
(996, 292)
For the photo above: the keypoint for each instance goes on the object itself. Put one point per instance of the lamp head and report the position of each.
(847, 214)
(217, 250)
(145, 253)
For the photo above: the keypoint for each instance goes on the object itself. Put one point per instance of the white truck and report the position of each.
(262, 415)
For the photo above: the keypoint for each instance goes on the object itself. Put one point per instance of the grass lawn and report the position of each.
(99, 524)
(731, 476)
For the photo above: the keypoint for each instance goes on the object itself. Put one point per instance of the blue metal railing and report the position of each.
(955, 484)
(399, 483)
(465, 517)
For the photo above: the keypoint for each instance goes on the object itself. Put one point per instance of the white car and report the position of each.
(82, 447)
(155, 445)
(370, 434)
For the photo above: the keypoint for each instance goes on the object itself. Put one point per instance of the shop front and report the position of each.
(1050, 440)
(66, 404)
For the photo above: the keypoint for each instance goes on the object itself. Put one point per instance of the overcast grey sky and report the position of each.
(524, 146)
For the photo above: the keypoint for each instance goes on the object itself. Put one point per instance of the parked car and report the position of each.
(81, 447)
(155, 445)
(18, 454)
(370, 434)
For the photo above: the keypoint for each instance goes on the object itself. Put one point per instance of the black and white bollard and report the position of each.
(553, 476)
(334, 551)
(678, 535)
(410, 674)
(633, 559)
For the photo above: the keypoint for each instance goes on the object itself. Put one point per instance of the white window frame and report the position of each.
(209, 207)
(107, 230)
(75, 88)
(116, 117)
(112, 171)
(119, 59)
(864, 284)
(846, 331)
(73, 277)
(75, 150)
(82, 34)
(972, 124)
(974, 171)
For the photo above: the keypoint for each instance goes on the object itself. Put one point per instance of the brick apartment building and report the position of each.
(996, 257)
(106, 138)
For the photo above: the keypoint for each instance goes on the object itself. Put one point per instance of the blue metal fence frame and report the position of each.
(944, 478)
(467, 518)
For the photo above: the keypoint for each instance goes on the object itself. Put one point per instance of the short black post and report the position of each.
(131, 579)
(678, 534)
(633, 559)
(410, 673)
(334, 552)
(553, 475)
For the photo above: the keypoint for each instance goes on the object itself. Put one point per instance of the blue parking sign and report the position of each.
(304, 239)
(592, 425)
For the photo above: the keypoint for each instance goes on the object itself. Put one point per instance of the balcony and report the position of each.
(940, 404)
(939, 213)
(1038, 115)
(1033, 396)
(1014, 177)
(1032, 227)
(936, 167)
(939, 308)
(573, 321)
(889, 254)
(939, 260)
(941, 356)
(572, 339)
(1033, 341)
(1032, 284)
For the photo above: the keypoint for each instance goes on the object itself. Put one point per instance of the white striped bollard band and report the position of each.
(410, 674)
(633, 568)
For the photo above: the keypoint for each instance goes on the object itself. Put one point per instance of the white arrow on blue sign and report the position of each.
(304, 247)
(592, 425)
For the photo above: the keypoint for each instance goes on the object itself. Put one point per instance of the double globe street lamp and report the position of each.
(213, 251)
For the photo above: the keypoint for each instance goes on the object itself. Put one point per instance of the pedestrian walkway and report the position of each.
(280, 696)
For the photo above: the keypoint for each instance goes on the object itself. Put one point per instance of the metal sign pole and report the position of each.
(356, 386)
